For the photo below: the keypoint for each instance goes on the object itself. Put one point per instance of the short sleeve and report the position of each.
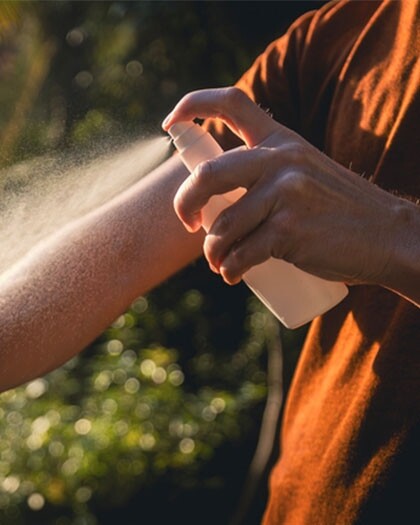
(272, 81)
(295, 78)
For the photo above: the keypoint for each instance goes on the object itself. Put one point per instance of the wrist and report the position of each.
(402, 273)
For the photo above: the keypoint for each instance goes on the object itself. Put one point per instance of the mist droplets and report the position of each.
(41, 196)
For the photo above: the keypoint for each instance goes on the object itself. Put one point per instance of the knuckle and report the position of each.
(202, 173)
(266, 158)
(188, 99)
(281, 226)
(225, 221)
(265, 164)
(297, 151)
(294, 182)
(281, 232)
(240, 256)
(235, 97)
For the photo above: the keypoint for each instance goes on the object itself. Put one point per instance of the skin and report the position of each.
(70, 287)
(300, 205)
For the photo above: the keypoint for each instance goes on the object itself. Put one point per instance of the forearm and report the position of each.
(66, 291)
(402, 270)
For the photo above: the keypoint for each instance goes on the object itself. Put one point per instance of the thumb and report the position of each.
(232, 106)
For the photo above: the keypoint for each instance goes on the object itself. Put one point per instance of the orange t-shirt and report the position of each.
(346, 77)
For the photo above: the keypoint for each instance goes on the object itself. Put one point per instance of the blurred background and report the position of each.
(159, 420)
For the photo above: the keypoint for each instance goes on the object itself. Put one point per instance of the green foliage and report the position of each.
(105, 424)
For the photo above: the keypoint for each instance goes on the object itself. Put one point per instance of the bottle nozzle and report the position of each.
(179, 128)
(184, 134)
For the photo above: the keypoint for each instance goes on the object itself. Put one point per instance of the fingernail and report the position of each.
(194, 222)
(192, 227)
(213, 268)
(189, 228)
(231, 280)
(166, 120)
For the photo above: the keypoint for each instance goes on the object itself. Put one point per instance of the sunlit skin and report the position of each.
(300, 205)
(65, 292)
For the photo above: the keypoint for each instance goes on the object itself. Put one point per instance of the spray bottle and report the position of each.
(293, 296)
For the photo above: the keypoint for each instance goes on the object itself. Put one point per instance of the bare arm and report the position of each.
(61, 296)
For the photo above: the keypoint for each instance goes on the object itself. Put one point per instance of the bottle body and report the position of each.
(295, 297)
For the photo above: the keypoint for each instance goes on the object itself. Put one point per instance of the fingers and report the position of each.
(233, 106)
(241, 236)
(237, 222)
(254, 249)
(234, 169)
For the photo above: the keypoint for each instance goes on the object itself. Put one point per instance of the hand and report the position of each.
(300, 205)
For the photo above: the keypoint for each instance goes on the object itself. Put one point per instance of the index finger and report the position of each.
(233, 106)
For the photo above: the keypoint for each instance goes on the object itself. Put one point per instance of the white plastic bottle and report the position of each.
(294, 296)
